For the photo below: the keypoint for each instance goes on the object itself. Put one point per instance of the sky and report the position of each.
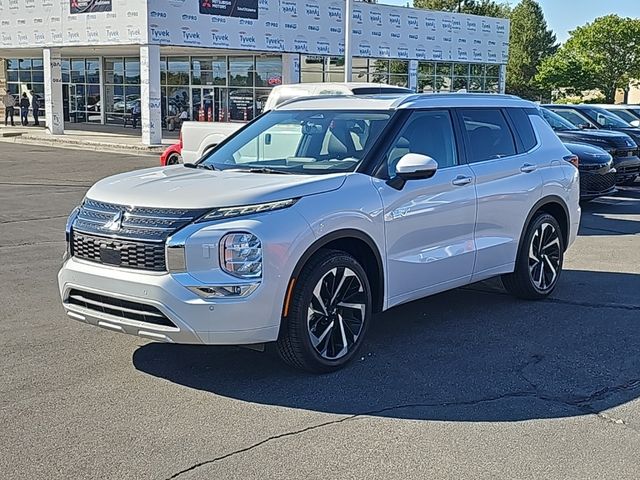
(564, 15)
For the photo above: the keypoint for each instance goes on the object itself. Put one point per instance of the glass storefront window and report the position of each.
(132, 71)
(12, 76)
(178, 70)
(13, 64)
(493, 71)
(24, 63)
(92, 70)
(268, 71)
(311, 77)
(399, 80)
(240, 104)
(241, 71)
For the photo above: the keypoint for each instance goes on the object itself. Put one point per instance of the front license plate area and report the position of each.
(110, 256)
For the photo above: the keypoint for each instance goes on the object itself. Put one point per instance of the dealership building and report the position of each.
(100, 61)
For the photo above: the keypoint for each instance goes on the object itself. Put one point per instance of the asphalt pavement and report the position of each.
(470, 384)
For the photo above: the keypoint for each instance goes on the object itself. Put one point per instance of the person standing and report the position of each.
(35, 106)
(136, 113)
(9, 104)
(25, 104)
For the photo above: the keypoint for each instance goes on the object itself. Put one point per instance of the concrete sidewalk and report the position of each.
(104, 138)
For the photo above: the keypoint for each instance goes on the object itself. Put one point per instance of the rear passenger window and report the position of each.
(489, 134)
(522, 123)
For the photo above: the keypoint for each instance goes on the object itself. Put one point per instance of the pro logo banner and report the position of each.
(90, 6)
(230, 8)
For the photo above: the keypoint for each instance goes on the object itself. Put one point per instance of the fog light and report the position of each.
(176, 260)
(225, 291)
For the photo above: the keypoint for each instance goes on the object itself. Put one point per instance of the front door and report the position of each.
(208, 104)
(429, 224)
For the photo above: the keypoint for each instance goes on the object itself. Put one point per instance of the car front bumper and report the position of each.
(628, 168)
(191, 319)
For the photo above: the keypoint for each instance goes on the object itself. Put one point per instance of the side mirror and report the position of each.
(413, 166)
(635, 123)
(585, 126)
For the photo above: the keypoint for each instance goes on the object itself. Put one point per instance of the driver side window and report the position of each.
(428, 133)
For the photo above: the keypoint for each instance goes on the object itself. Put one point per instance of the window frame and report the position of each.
(467, 141)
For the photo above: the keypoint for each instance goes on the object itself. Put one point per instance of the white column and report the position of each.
(150, 95)
(413, 75)
(503, 78)
(54, 111)
(348, 34)
(290, 68)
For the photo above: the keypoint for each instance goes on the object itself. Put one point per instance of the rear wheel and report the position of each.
(329, 312)
(539, 261)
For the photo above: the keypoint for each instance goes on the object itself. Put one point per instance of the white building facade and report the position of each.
(101, 61)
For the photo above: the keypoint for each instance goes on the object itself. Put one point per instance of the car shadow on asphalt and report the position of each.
(473, 354)
(607, 216)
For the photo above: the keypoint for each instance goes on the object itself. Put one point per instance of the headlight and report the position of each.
(67, 231)
(241, 255)
(231, 212)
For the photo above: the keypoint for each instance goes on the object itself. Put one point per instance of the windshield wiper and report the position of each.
(265, 170)
(203, 166)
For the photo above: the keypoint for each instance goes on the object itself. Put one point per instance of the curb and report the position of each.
(89, 145)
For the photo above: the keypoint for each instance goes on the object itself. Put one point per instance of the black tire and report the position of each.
(310, 298)
(537, 271)
(174, 159)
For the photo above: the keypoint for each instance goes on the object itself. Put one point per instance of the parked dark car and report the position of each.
(619, 145)
(628, 113)
(590, 117)
(597, 175)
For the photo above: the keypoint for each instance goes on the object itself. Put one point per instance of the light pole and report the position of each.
(348, 60)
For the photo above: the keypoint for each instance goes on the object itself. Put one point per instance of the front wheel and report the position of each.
(329, 312)
(174, 159)
(539, 261)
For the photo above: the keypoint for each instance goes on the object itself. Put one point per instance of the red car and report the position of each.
(172, 155)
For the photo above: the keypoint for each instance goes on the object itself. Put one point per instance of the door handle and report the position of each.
(528, 168)
(461, 181)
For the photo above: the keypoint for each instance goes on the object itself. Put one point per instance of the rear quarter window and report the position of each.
(523, 128)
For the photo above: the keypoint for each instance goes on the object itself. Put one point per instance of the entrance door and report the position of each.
(65, 102)
(208, 104)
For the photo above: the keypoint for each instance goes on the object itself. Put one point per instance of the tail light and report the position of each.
(180, 138)
(573, 160)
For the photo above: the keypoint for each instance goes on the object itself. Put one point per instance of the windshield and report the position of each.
(558, 123)
(606, 119)
(303, 142)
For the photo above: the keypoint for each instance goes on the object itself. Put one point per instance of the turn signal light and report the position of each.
(573, 160)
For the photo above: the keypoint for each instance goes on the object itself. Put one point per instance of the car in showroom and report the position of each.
(597, 174)
(322, 212)
(619, 145)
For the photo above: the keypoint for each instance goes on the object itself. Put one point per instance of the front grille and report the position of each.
(594, 183)
(628, 170)
(624, 152)
(132, 223)
(130, 237)
(124, 309)
(119, 253)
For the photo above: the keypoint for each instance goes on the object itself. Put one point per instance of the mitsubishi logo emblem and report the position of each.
(115, 223)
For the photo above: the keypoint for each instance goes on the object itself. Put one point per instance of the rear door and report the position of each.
(429, 223)
(507, 182)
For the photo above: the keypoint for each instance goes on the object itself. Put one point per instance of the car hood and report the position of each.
(597, 137)
(188, 188)
(588, 154)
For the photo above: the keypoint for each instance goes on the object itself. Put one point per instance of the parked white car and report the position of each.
(365, 203)
(200, 137)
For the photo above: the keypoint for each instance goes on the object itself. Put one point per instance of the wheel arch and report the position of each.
(554, 206)
(362, 247)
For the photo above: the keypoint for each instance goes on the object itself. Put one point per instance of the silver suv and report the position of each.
(321, 213)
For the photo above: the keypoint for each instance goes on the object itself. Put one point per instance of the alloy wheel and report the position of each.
(336, 313)
(544, 257)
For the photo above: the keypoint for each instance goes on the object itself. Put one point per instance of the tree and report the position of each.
(489, 8)
(604, 55)
(530, 43)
